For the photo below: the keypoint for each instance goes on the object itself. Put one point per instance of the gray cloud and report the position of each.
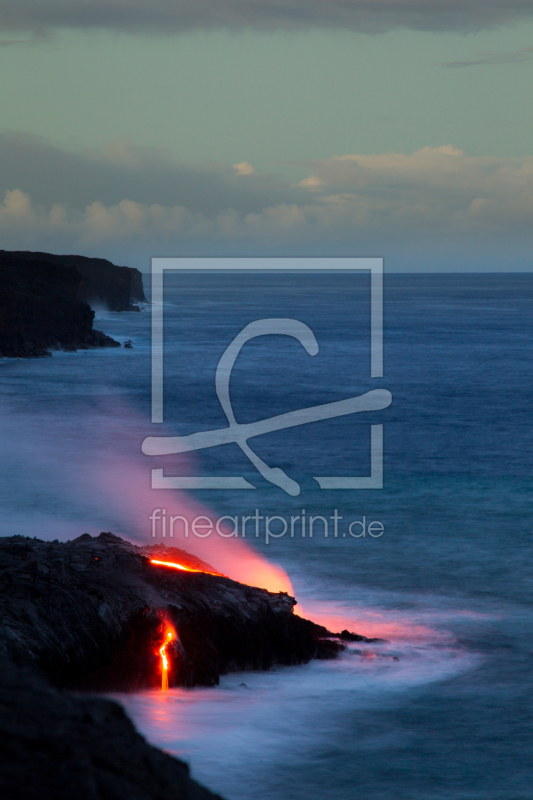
(126, 198)
(171, 16)
(522, 56)
(20, 42)
(51, 175)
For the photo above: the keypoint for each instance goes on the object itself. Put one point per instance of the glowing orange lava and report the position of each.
(251, 572)
(173, 564)
(164, 662)
(179, 566)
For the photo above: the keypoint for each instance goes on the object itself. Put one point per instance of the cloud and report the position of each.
(437, 193)
(523, 56)
(174, 16)
(23, 42)
(141, 174)
(243, 168)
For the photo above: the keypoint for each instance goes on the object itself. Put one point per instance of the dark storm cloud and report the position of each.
(171, 16)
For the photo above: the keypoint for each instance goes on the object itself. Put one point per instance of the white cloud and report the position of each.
(313, 183)
(243, 168)
(440, 187)
(168, 16)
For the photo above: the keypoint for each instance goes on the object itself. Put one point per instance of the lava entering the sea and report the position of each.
(164, 662)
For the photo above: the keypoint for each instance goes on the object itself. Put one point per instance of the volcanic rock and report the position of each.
(92, 613)
(102, 283)
(57, 745)
(39, 309)
(346, 636)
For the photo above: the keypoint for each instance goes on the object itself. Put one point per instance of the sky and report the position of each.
(396, 128)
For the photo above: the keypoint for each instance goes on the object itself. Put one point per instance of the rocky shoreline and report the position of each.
(44, 301)
(62, 746)
(91, 614)
(102, 283)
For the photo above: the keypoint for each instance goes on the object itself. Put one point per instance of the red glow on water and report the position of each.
(369, 622)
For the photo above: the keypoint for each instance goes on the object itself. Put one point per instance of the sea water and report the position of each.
(442, 708)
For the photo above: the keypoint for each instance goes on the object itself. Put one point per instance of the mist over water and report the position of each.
(449, 584)
(72, 459)
(280, 734)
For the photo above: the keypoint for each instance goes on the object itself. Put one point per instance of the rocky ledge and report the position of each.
(92, 614)
(54, 744)
(40, 310)
(101, 283)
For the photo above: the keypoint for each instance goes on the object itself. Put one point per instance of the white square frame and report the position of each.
(272, 264)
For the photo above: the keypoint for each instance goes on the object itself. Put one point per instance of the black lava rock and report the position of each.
(102, 283)
(92, 613)
(346, 636)
(54, 745)
(40, 309)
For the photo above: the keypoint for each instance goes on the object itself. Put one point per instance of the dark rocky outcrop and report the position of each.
(91, 614)
(102, 283)
(39, 309)
(346, 636)
(57, 745)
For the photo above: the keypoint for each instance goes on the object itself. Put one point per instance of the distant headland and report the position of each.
(47, 301)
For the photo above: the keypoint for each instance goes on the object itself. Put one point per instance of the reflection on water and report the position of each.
(242, 736)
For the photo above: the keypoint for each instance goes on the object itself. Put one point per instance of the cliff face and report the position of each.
(57, 745)
(91, 613)
(102, 283)
(40, 309)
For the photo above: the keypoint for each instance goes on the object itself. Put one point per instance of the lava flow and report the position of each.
(164, 662)
(179, 566)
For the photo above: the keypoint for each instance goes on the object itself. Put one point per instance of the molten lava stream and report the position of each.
(175, 565)
(164, 662)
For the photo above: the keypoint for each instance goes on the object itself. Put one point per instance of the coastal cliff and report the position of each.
(91, 613)
(54, 744)
(102, 283)
(40, 309)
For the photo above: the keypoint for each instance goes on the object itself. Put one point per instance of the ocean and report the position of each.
(441, 710)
